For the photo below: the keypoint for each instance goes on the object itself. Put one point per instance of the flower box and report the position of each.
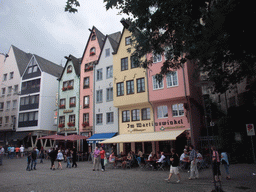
(72, 105)
(86, 106)
(71, 124)
(70, 87)
(64, 88)
(69, 71)
(61, 125)
(92, 53)
(62, 106)
(84, 124)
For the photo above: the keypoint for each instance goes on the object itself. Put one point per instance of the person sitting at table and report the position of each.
(150, 156)
(184, 159)
(128, 160)
(139, 156)
(161, 160)
(112, 159)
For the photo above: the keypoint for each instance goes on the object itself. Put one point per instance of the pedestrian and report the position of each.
(9, 151)
(21, 151)
(28, 161)
(12, 151)
(68, 154)
(193, 163)
(34, 159)
(216, 164)
(60, 158)
(41, 154)
(53, 156)
(225, 162)
(74, 157)
(17, 151)
(174, 159)
(96, 159)
(102, 157)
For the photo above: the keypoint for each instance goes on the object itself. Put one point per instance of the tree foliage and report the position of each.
(71, 6)
(217, 35)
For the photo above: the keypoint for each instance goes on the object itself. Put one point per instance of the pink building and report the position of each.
(176, 102)
(89, 59)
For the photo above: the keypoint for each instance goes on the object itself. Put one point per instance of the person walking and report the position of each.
(41, 154)
(21, 151)
(68, 154)
(59, 159)
(74, 157)
(9, 151)
(174, 159)
(193, 163)
(28, 161)
(96, 160)
(17, 152)
(53, 156)
(216, 164)
(12, 151)
(34, 159)
(102, 157)
(225, 162)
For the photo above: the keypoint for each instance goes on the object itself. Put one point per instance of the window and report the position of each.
(124, 64)
(1, 121)
(93, 37)
(86, 117)
(72, 119)
(134, 62)
(11, 75)
(35, 68)
(135, 115)
(130, 87)
(68, 85)
(32, 67)
(157, 58)
(5, 77)
(92, 51)
(1, 106)
(120, 89)
(157, 84)
(162, 112)
(14, 104)
(9, 91)
(125, 116)
(99, 119)
(6, 119)
(69, 69)
(110, 117)
(86, 82)
(62, 120)
(72, 102)
(172, 79)
(109, 72)
(15, 89)
(107, 52)
(178, 110)
(99, 96)
(99, 75)
(62, 103)
(3, 92)
(86, 101)
(140, 85)
(110, 94)
(145, 114)
(30, 116)
(128, 40)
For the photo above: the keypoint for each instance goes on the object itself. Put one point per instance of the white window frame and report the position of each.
(99, 96)
(109, 72)
(8, 105)
(156, 84)
(157, 58)
(109, 95)
(14, 104)
(99, 119)
(99, 74)
(107, 52)
(161, 111)
(178, 110)
(111, 118)
(170, 78)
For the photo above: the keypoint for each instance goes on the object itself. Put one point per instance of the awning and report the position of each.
(17, 136)
(144, 137)
(96, 138)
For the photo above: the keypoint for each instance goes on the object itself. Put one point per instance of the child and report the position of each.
(28, 161)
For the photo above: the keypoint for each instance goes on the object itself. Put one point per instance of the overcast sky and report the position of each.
(43, 28)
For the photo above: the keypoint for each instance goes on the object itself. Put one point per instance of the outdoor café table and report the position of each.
(119, 160)
(150, 164)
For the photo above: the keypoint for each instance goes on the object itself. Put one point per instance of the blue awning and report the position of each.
(96, 138)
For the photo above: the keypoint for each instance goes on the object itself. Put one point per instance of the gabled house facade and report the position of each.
(68, 97)
(105, 114)
(12, 68)
(37, 101)
(89, 59)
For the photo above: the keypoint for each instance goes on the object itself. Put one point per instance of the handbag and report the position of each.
(105, 161)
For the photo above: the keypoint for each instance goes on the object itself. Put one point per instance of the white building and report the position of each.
(105, 114)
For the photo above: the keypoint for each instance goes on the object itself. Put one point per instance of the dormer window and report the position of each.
(69, 69)
(128, 40)
(92, 51)
(93, 37)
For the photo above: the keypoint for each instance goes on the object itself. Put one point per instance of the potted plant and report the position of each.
(64, 88)
(92, 53)
(62, 106)
(71, 124)
(61, 125)
(70, 87)
(72, 104)
(84, 124)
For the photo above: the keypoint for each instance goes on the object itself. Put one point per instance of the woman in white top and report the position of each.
(59, 159)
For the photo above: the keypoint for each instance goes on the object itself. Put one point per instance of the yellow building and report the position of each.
(130, 94)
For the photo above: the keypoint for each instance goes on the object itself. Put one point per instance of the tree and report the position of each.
(216, 34)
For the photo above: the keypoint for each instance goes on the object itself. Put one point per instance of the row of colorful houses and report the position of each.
(104, 95)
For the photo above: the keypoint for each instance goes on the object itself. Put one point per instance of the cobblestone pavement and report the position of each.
(14, 177)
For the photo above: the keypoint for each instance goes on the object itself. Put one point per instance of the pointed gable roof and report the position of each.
(22, 59)
(76, 63)
(48, 66)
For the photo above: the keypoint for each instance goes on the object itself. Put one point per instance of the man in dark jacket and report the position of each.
(53, 156)
(33, 158)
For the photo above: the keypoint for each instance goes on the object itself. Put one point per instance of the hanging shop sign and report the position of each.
(67, 129)
(68, 111)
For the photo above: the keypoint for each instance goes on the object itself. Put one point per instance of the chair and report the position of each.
(128, 164)
(162, 166)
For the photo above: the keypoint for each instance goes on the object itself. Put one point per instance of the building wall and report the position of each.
(88, 91)
(106, 106)
(67, 95)
(10, 65)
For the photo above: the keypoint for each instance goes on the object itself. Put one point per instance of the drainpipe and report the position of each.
(93, 116)
(149, 100)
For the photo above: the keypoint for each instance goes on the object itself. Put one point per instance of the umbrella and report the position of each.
(53, 137)
(75, 137)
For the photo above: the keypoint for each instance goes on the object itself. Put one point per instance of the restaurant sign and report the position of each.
(174, 122)
(140, 125)
(68, 111)
(67, 129)
(175, 127)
